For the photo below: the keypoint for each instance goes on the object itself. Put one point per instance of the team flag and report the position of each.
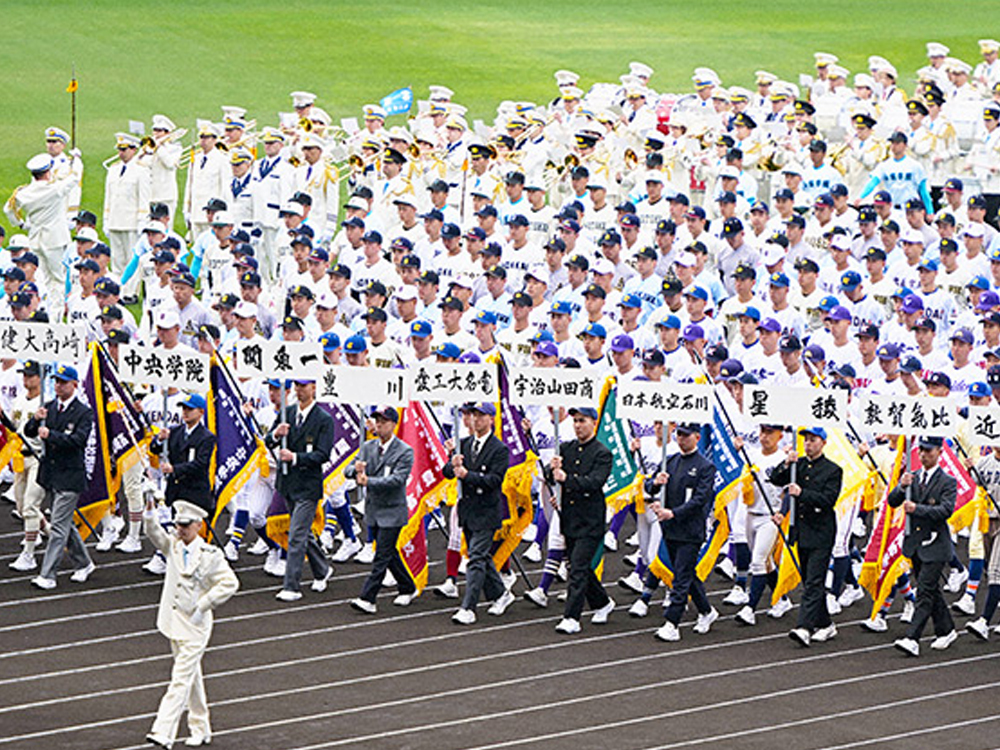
(398, 102)
(10, 445)
(884, 561)
(970, 501)
(624, 485)
(347, 439)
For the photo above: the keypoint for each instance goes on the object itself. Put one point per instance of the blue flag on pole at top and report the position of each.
(398, 102)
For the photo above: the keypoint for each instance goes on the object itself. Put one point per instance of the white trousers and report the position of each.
(186, 691)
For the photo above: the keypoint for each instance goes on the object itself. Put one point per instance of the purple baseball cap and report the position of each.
(838, 312)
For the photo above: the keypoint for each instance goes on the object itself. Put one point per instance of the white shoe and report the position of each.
(157, 565)
(908, 609)
(850, 595)
(633, 541)
(509, 579)
(404, 600)
(726, 568)
(197, 740)
(463, 566)
(319, 584)
(955, 580)
(347, 550)
(782, 608)
(287, 595)
(129, 545)
(564, 595)
(43, 583)
(363, 605)
(537, 597)
(632, 559)
(858, 527)
(24, 562)
(639, 608)
(568, 626)
(389, 581)
(278, 569)
(533, 553)
(746, 616)
(232, 554)
(966, 604)
(610, 542)
(155, 739)
(943, 641)
(979, 628)
(464, 617)
(800, 636)
(365, 555)
(600, 617)
(108, 539)
(448, 589)
(832, 605)
(825, 634)
(258, 548)
(908, 646)
(704, 623)
(326, 540)
(876, 624)
(272, 557)
(738, 597)
(631, 582)
(668, 632)
(81, 575)
(563, 572)
(498, 607)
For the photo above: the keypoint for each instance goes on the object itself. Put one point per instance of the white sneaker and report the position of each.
(287, 595)
(850, 595)
(82, 574)
(704, 623)
(278, 569)
(631, 582)
(509, 579)
(319, 584)
(109, 536)
(908, 609)
(825, 634)
(533, 553)
(726, 568)
(464, 617)
(876, 624)
(979, 628)
(365, 555)
(157, 565)
(362, 605)
(463, 566)
(955, 580)
(258, 548)
(668, 632)
(639, 608)
(448, 589)
(568, 626)
(610, 542)
(600, 617)
(198, 740)
(943, 641)
(632, 559)
(347, 550)
(738, 597)
(24, 562)
(43, 583)
(633, 541)
(563, 572)
(832, 605)
(232, 554)
(389, 581)
(966, 604)
(273, 556)
(858, 527)
(498, 607)
(564, 595)
(908, 646)
(800, 636)
(537, 596)
(326, 540)
(782, 608)
(129, 545)
(746, 616)
(403, 600)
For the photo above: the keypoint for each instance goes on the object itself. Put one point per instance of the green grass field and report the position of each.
(185, 59)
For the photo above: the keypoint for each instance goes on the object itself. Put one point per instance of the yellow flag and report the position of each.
(73, 86)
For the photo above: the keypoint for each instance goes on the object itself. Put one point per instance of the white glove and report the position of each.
(197, 617)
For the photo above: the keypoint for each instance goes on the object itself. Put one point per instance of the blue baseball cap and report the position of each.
(749, 312)
(910, 365)
(850, 280)
(887, 351)
(817, 431)
(964, 335)
(448, 349)
(356, 344)
(828, 303)
(194, 401)
(486, 318)
(584, 411)
(561, 307)
(65, 373)
(980, 390)
(671, 321)
(779, 280)
(330, 341)
(698, 292)
(630, 300)
(421, 329)
(595, 329)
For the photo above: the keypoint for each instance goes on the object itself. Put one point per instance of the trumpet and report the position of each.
(148, 145)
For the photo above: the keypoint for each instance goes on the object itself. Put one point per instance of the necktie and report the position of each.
(185, 558)
(300, 420)
(204, 161)
(122, 173)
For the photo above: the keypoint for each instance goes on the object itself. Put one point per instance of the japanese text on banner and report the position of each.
(340, 384)
(543, 386)
(909, 415)
(183, 369)
(795, 407)
(52, 342)
(453, 382)
(664, 401)
(261, 358)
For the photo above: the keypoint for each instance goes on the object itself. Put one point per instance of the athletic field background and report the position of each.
(186, 59)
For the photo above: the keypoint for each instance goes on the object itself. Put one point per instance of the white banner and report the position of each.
(454, 382)
(909, 415)
(984, 425)
(49, 342)
(547, 386)
(154, 365)
(795, 407)
(363, 386)
(665, 401)
(262, 358)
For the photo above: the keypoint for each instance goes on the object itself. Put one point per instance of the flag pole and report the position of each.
(73, 86)
(976, 475)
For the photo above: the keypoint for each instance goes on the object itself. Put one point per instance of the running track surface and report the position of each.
(82, 667)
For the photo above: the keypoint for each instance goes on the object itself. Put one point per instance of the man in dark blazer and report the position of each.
(581, 469)
(383, 468)
(810, 499)
(480, 466)
(927, 543)
(309, 433)
(64, 425)
(689, 479)
(188, 461)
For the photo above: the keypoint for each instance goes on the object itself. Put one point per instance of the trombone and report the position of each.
(148, 146)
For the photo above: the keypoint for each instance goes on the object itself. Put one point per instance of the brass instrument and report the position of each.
(148, 145)
(838, 157)
(631, 159)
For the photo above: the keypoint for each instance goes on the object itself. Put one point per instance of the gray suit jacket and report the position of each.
(385, 501)
(929, 537)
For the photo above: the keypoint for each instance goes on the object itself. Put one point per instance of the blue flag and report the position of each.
(398, 102)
